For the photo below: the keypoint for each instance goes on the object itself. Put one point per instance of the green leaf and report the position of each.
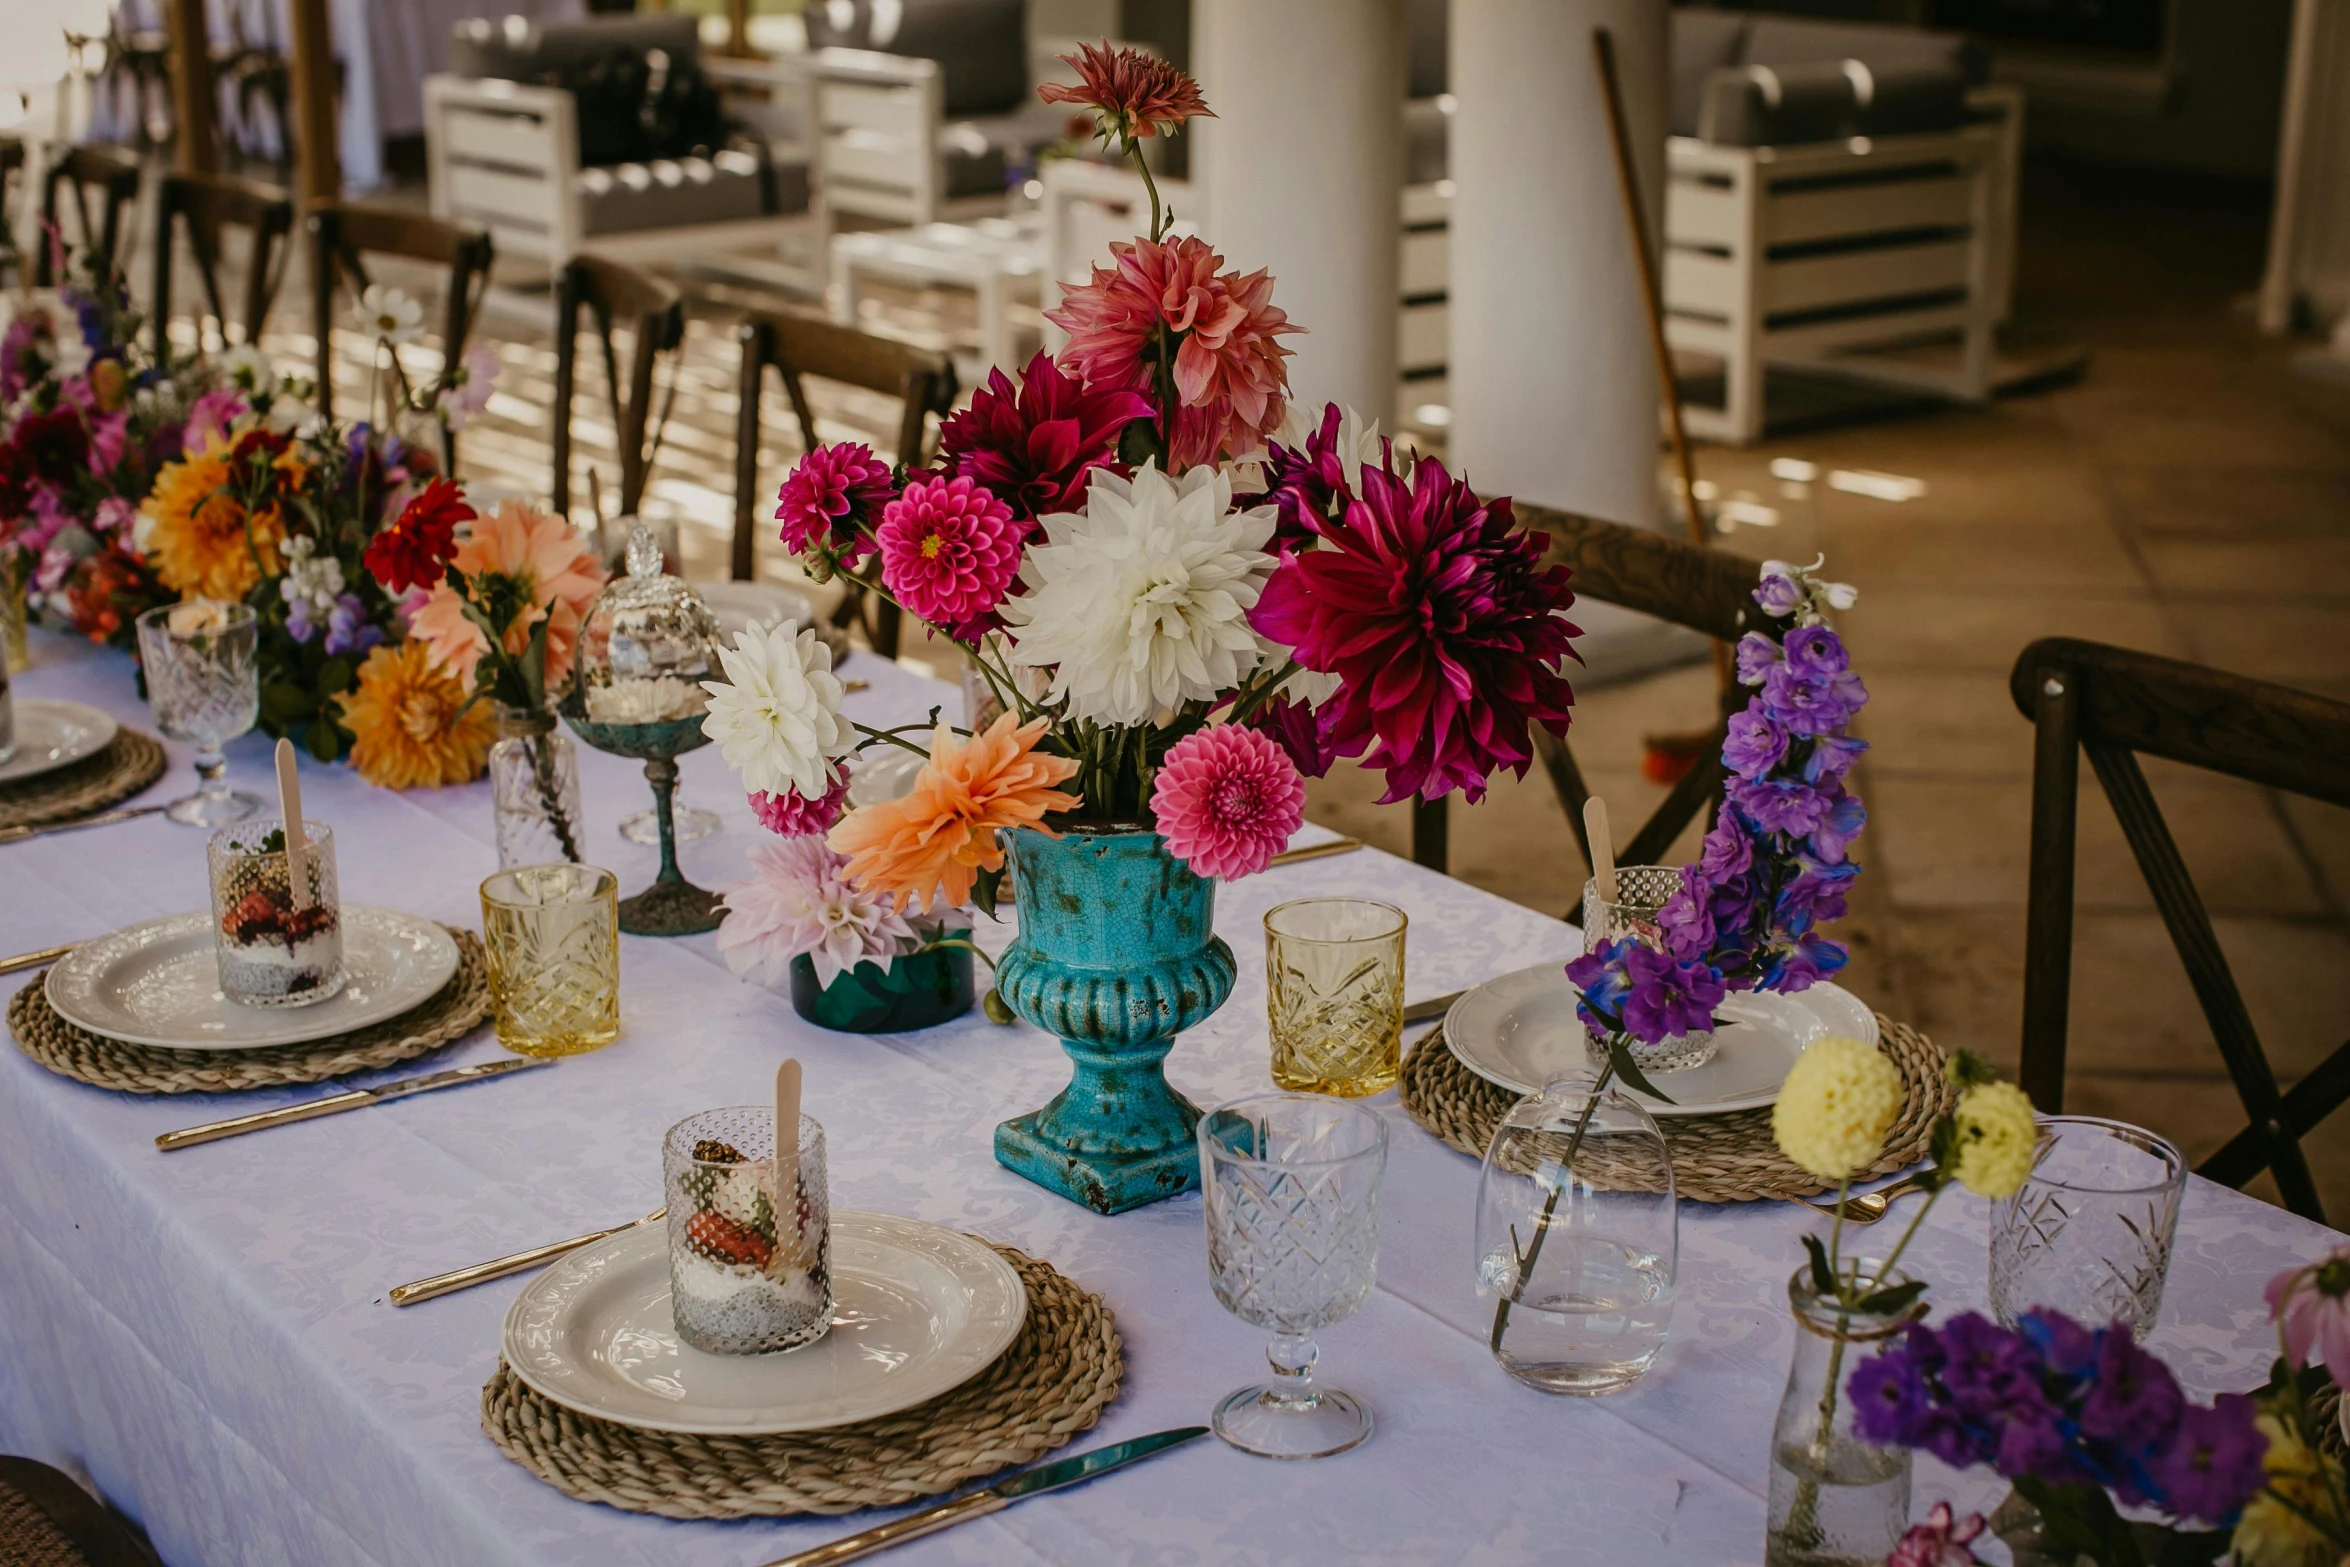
(284, 703)
(2191, 1547)
(1823, 1277)
(322, 740)
(534, 662)
(337, 674)
(1893, 1298)
(986, 889)
(2081, 1518)
(1620, 1057)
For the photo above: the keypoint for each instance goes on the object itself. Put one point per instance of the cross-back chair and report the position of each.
(111, 172)
(1708, 591)
(610, 290)
(11, 166)
(342, 233)
(2114, 704)
(206, 204)
(801, 344)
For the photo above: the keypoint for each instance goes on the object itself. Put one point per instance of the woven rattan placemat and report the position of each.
(453, 1012)
(1051, 1384)
(1716, 1158)
(130, 762)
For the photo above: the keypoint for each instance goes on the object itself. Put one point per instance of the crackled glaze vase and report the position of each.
(1116, 956)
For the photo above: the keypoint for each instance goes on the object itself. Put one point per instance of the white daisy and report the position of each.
(390, 314)
(1140, 602)
(247, 367)
(777, 714)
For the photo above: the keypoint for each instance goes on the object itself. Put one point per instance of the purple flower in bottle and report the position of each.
(1754, 745)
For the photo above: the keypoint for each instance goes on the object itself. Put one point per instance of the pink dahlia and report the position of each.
(1136, 94)
(1443, 625)
(831, 501)
(949, 549)
(1229, 378)
(2312, 1304)
(1034, 446)
(1227, 800)
(794, 815)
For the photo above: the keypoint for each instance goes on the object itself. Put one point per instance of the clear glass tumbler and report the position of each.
(553, 936)
(2089, 1232)
(750, 1241)
(1290, 1184)
(1641, 891)
(277, 918)
(201, 681)
(1577, 1238)
(534, 790)
(1334, 992)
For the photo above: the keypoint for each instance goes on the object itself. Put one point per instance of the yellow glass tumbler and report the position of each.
(553, 934)
(1334, 990)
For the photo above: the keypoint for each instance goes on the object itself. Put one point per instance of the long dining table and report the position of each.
(205, 1335)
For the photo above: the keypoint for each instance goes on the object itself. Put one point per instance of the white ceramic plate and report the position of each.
(1518, 1029)
(916, 1310)
(159, 983)
(50, 735)
(738, 606)
(885, 773)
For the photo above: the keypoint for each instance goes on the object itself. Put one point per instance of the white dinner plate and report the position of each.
(886, 773)
(50, 735)
(1518, 1029)
(916, 1311)
(159, 983)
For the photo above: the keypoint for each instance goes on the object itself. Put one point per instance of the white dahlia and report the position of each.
(777, 714)
(1140, 602)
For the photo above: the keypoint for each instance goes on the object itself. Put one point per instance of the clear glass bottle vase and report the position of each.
(534, 779)
(1836, 1500)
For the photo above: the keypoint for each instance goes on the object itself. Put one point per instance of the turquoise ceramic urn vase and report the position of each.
(1116, 956)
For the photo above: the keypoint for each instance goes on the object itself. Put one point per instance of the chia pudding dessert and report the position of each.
(749, 1238)
(277, 921)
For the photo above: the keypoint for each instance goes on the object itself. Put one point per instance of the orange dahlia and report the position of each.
(204, 542)
(926, 849)
(409, 723)
(521, 561)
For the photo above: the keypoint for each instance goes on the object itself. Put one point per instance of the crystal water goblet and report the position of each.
(205, 690)
(1291, 1188)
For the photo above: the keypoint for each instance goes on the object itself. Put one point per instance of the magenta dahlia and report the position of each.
(831, 501)
(949, 549)
(1227, 800)
(1033, 446)
(1442, 623)
(1302, 733)
(793, 815)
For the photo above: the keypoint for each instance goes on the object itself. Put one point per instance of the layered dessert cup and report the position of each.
(277, 920)
(749, 1235)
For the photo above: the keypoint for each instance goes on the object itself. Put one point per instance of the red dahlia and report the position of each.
(414, 552)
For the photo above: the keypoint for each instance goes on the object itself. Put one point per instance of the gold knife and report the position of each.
(1430, 1010)
(102, 819)
(336, 1104)
(40, 959)
(1315, 851)
(482, 1272)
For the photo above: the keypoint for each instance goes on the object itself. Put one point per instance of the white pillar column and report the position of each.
(1553, 381)
(1302, 172)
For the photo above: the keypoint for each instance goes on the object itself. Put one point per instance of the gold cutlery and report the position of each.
(1315, 851)
(1430, 1010)
(40, 959)
(482, 1272)
(336, 1104)
(102, 819)
(1035, 1482)
(852, 687)
(1869, 1207)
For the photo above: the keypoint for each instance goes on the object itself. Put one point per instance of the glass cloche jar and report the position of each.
(646, 646)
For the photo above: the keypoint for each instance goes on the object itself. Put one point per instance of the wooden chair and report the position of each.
(111, 171)
(1709, 591)
(607, 289)
(2113, 704)
(207, 203)
(46, 1518)
(11, 166)
(800, 344)
(343, 232)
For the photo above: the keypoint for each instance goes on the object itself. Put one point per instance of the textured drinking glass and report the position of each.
(277, 920)
(750, 1243)
(1642, 890)
(2089, 1232)
(1291, 1189)
(1334, 989)
(1577, 1238)
(534, 790)
(553, 935)
(198, 658)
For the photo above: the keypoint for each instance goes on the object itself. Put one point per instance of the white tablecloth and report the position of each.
(205, 1333)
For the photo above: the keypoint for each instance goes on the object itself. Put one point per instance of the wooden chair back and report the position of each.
(800, 344)
(11, 165)
(113, 172)
(608, 290)
(2114, 704)
(1708, 591)
(207, 203)
(342, 233)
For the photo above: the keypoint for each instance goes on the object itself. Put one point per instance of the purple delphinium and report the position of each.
(1600, 975)
(1757, 656)
(1779, 596)
(1753, 745)
(1687, 919)
(1811, 705)
(1787, 806)
(1669, 996)
(2213, 1462)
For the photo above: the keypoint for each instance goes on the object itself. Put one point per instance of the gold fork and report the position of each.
(1869, 1207)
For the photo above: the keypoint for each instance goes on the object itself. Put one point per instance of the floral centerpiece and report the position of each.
(1182, 608)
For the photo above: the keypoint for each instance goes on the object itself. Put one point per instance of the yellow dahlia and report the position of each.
(203, 542)
(407, 728)
(1996, 1139)
(2275, 1529)
(1836, 1107)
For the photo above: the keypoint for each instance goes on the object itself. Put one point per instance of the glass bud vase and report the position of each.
(1836, 1500)
(1577, 1238)
(534, 779)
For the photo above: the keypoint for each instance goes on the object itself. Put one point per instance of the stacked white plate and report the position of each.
(50, 735)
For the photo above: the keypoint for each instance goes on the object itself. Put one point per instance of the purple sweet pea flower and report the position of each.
(1754, 745)
(348, 630)
(2212, 1466)
(1780, 805)
(1757, 656)
(1669, 997)
(1779, 596)
(299, 624)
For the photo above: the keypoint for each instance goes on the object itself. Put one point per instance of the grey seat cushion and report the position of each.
(1427, 141)
(1794, 40)
(522, 49)
(1772, 106)
(981, 46)
(671, 191)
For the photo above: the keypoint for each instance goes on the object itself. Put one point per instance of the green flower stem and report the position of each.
(890, 736)
(953, 941)
(542, 751)
(1533, 1251)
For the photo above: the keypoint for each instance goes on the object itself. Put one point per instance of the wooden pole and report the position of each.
(318, 171)
(195, 119)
